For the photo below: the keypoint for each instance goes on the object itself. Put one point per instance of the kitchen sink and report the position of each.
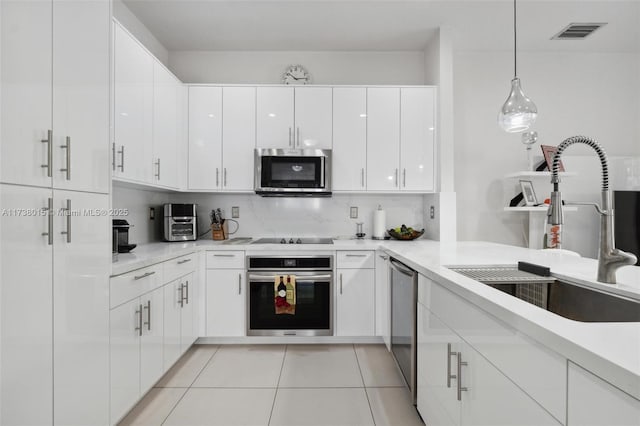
(569, 300)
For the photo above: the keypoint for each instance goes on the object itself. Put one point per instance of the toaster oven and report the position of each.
(180, 222)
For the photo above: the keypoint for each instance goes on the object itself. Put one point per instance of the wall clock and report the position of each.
(296, 74)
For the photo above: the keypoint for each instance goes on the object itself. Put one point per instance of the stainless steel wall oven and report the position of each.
(314, 296)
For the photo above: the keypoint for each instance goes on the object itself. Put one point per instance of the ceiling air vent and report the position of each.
(576, 31)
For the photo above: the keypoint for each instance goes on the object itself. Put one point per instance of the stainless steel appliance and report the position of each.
(294, 240)
(292, 172)
(180, 222)
(404, 295)
(121, 228)
(314, 296)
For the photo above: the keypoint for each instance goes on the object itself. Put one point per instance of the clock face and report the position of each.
(296, 74)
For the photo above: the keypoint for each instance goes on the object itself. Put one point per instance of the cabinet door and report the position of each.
(188, 333)
(173, 293)
(492, 399)
(26, 370)
(383, 301)
(81, 268)
(383, 139)
(133, 103)
(594, 402)
(417, 129)
(437, 370)
(166, 122)
(274, 117)
(151, 342)
(225, 309)
(355, 302)
(349, 160)
(25, 60)
(238, 137)
(205, 137)
(81, 95)
(124, 328)
(313, 117)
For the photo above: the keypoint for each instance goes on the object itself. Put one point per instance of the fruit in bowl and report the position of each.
(405, 233)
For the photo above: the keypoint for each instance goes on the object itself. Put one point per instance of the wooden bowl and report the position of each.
(406, 237)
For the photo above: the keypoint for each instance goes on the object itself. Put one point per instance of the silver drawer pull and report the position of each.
(340, 283)
(356, 255)
(139, 315)
(145, 275)
(49, 142)
(224, 255)
(239, 283)
(67, 211)
(449, 355)
(49, 210)
(148, 321)
(67, 146)
(460, 388)
(180, 262)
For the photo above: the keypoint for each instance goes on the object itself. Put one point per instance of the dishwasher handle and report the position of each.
(403, 269)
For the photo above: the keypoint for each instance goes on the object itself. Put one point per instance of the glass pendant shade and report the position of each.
(518, 112)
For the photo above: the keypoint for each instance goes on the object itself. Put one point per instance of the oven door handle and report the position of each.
(271, 278)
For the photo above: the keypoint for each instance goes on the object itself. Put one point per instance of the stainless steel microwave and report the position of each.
(292, 172)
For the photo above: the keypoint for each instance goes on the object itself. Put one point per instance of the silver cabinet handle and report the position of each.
(449, 355)
(48, 141)
(340, 283)
(121, 152)
(217, 177)
(139, 314)
(289, 136)
(145, 275)
(224, 255)
(460, 388)
(49, 232)
(404, 178)
(298, 136)
(362, 177)
(239, 283)
(186, 293)
(356, 255)
(181, 298)
(148, 308)
(67, 146)
(180, 262)
(158, 173)
(67, 212)
(113, 156)
(396, 179)
(224, 178)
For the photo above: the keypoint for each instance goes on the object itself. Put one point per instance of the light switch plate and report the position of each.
(353, 213)
(235, 212)
(152, 213)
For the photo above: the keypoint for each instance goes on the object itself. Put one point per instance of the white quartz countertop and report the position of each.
(609, 350)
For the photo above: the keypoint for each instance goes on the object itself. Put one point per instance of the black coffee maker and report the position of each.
(121, 226)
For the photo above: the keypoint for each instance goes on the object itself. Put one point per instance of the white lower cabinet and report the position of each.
(225, 302)
(179, 326)
(355, 295)
(458, 386)
(151, 338)
(188, 317)
(383, 298)
(594, 402)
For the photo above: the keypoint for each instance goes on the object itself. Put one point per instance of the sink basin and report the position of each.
(569, 300)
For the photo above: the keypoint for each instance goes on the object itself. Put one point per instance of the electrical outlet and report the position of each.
(432, 212)
(235, 212)
(353, 213)
(152, 213)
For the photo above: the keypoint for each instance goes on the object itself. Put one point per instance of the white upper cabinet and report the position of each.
(417, 129)
(274, 117)
(383, 139)
(205, 137)
(294, 118)
(238, 137)
(313, 117)
(167, 120)
(133, 108)
(81, 95)
(349, 159)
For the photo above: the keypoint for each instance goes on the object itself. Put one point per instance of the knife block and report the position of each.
(220, 231)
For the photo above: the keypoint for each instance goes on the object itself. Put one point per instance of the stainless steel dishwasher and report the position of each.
(404, 295)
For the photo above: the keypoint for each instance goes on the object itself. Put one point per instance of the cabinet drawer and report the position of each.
(538, 370)
(132, 284)
(175, 268)
(356, 259)
(225, 259)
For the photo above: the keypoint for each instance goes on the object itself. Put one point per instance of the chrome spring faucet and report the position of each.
(609, 257)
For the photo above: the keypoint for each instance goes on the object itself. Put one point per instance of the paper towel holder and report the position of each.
(377, 227)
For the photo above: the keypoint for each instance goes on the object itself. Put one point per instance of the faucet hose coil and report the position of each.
(588, 141)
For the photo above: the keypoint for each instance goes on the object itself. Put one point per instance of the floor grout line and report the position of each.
(366, 394)
(275, 395)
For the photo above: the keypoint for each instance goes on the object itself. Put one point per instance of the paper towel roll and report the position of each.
(379, 223)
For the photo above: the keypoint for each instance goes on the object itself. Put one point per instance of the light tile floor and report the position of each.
(284, 385)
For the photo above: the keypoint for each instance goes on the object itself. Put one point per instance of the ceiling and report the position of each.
(375, 25)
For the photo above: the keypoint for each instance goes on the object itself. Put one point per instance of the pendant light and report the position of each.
(518, 112)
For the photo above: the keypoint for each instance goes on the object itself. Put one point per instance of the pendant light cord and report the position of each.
(515, 42)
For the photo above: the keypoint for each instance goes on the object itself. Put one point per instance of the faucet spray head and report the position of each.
(554, 214)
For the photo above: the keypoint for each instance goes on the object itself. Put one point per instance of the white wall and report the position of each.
(137, 202)
(595, 95)
(122, 13)
(266, 67)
